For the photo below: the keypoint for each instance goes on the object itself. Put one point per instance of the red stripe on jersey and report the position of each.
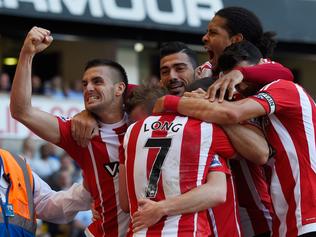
(131, 151)
(120, 131)
(189, 171)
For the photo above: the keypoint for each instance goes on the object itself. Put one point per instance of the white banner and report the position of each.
(12, 129)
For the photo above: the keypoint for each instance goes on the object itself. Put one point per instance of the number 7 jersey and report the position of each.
(167, 156)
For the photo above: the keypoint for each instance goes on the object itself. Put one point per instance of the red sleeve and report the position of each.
(266, 73)
(219, 164)
(221, 143)
(66, 140)
(277, 96)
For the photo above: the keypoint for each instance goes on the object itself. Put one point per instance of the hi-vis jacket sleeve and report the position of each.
(62, 206)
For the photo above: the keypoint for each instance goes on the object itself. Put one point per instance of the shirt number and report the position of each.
(164, 145)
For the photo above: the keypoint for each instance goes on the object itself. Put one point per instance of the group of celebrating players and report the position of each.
(222, 149)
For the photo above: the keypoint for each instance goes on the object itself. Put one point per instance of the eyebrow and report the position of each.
(174, 65)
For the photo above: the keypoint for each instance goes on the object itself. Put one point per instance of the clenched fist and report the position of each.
(36, 40)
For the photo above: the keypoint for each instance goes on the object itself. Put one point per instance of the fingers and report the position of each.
(223, 89)
(39, 35)
(212, 91)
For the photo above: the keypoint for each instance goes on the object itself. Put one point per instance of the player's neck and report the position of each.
(111, 117)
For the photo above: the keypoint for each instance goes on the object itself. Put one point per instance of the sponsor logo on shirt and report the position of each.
(215, 162)
(112, 168)
(269, 99)
(63, 118)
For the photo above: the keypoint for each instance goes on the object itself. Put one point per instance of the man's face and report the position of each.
(99, 91)
(176, 72)
(216, 39)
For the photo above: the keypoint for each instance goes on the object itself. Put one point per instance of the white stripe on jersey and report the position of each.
(308, 125)
(171, 172)
(112, 144)
(235, 203)
(95, 170)
(170, 226)
(280, 205)
(212, 217)
(289, 147)
(254, 192)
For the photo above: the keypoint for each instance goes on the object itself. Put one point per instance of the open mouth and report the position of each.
(92, 98)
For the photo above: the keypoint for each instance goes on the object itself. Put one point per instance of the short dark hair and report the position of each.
(173, 47)
(106, 62)
(238, 52)
(241, 20)
(203, 83)
(144, 95)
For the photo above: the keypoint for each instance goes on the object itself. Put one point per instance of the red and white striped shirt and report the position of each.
(167, 156)
(290, 130)
(99, 163)
(224, 218)
(255, 205)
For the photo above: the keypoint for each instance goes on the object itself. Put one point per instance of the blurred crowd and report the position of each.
(60, 171)
(54, 87)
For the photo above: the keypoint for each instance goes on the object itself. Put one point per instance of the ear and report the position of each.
(119, 88)
(237, 38)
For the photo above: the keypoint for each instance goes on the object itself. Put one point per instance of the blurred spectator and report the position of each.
(54, 88)
(5, 83)
(75, 91)
(68, 164)
(47, 164)
(28, 149)
(37, 85)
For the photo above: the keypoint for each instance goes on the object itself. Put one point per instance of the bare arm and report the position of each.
(201, 198)
(249, 142)
(41, 123)
(220, 113)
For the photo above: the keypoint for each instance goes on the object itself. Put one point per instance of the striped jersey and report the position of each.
(99, 162)
(255, 205)
(167, 156)
(224, 218)
(290, 129)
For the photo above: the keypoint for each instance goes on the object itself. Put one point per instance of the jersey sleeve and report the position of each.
(66, 140)
(266, 73)
(277, 96)
(219, 164)
(221, 143)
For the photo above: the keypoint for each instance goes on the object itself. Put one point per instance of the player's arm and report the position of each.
(220, 113)
(124, 203)
(59, 207)
(201, 198)
(261, 74)
(249, 142)
(41, 123)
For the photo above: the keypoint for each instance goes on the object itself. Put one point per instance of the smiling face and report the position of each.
(101, 91)
(216, 39)
(176, 72)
